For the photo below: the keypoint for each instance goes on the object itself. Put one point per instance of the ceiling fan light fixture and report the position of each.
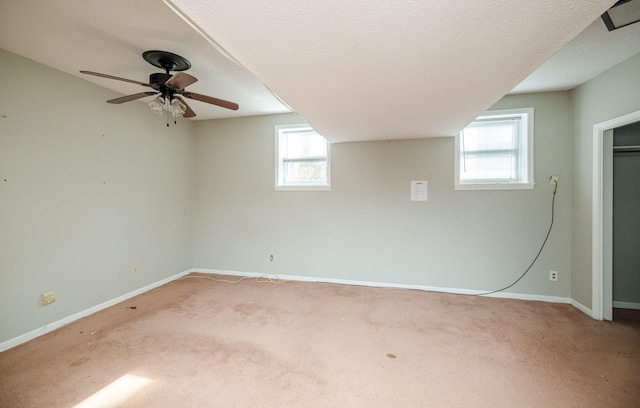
(177, 108)
(157, 105)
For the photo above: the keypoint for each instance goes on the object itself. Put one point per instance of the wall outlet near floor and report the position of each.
(48, 298)
(554, 179)
(553, 276)
(134, 269)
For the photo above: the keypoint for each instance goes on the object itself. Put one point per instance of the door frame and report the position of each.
(602, 215)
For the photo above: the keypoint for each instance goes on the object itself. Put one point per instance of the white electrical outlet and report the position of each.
(554, 179)
(134, 269)
(48, 298)
(553, 276)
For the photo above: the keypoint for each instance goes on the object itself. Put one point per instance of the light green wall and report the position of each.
(366, 228)
(87, 190)
(92, 189)
(612, 94)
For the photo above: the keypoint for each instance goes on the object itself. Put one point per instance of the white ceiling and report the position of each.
(591, 53)
(355, 70)
(109, 36)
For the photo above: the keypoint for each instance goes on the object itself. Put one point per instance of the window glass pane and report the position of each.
(491, 135)
(495, 151)
(497, 167)
(303, 144)
(490, 151)
(303, 158)
(302, 172)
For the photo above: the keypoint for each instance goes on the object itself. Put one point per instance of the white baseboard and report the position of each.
(626, 305)
(62, 322)
(505, 295)
(581, 307)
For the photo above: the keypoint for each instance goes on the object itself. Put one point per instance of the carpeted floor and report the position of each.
(201, 343)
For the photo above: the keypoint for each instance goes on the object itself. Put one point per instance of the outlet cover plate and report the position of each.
(48, 298)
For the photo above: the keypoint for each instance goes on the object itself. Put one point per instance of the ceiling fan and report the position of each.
(169, 87)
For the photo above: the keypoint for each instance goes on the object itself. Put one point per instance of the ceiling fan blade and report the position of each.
(131, 97)
(189, 113)
(211, 100)
(181, 80)
(114, 77)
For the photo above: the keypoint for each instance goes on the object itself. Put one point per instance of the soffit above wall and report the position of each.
(363, 70)
(356, 70)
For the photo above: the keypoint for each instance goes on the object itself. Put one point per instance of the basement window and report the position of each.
(495, 152)
(302, 159)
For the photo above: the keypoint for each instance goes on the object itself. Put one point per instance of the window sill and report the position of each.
(302, 188)
(495, 186)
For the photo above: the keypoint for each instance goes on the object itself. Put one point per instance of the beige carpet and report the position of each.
(199, 343)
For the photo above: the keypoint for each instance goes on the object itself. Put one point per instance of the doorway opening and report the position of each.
(602, 214)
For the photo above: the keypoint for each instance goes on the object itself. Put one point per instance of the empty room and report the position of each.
(319, 204)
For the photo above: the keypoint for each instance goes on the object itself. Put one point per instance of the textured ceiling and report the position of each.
(372, 70)
(109, 36)
(591, 53)
(356, 70)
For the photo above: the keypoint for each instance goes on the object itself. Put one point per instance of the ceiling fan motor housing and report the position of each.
(157, 82)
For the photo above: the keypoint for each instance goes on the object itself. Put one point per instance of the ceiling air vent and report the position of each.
(621, 14)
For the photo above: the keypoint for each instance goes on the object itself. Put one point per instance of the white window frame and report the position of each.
(279, 168)
(525, 153)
